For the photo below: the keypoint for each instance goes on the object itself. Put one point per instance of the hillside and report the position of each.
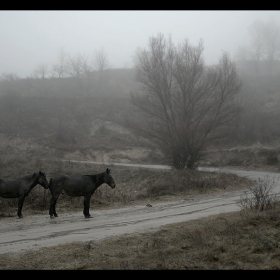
(87, 119)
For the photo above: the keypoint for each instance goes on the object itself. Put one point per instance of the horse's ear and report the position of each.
(108, 170)
(40, 172)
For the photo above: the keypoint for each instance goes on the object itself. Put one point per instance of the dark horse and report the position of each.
(78, 186)
(20, 188)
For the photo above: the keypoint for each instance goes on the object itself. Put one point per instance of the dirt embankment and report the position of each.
(253, 157)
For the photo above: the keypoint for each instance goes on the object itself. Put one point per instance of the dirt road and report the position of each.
(36, 231)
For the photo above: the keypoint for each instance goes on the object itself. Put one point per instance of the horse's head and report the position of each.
(108, 179)
(42, 180)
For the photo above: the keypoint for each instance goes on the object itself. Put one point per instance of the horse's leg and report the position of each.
(86, 206)
(20, 204)
(53, 200)
(51, 211)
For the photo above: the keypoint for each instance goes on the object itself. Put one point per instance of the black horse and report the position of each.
(78, 186)
(20, 188)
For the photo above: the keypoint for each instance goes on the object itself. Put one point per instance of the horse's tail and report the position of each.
(50, 185)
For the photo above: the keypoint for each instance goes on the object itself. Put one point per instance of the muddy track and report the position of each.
(36, 231)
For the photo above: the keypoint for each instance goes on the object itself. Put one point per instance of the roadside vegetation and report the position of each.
(134, 185)
(246, 239)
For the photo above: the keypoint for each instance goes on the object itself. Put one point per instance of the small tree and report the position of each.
(260, 196)
(186, 104)
(271, 35)
(9, 77)
(75, 66)
(41, 71)
(100, 63)
(100, 60)
(59, 69)
(264, 45)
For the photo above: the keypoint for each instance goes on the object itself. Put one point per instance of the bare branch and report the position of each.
(186, 103)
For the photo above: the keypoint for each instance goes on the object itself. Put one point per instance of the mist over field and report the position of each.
(190, 93)
(32, 39)
(69, 82)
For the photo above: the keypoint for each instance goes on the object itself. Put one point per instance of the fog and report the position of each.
(31, 38)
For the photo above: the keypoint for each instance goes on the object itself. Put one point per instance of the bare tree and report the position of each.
(75, 65)
(41, 71)
(242, 53)
(185, 104)
(9, 77)
(264, 44)
(256, 31)
(87, 67)
(271, 35)
(100, 60)
(60, 68)
(100, 63)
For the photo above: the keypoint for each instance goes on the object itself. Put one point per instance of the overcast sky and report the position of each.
(31, 38)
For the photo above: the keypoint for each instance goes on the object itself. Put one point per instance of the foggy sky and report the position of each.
(31, 38)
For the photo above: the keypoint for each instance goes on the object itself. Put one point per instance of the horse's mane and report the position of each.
(95, 176)
(28, 176)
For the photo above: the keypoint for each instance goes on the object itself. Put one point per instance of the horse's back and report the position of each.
(73, 186)
(58, 179)
(65, 179)
(9, 188)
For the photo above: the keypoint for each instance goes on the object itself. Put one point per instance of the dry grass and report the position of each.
(134, 185)
(224, 241)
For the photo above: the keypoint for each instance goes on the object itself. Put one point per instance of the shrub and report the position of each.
(260, 196)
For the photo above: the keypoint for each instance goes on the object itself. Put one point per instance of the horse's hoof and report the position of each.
(20, 216)
(55, 215)
(88, 216)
